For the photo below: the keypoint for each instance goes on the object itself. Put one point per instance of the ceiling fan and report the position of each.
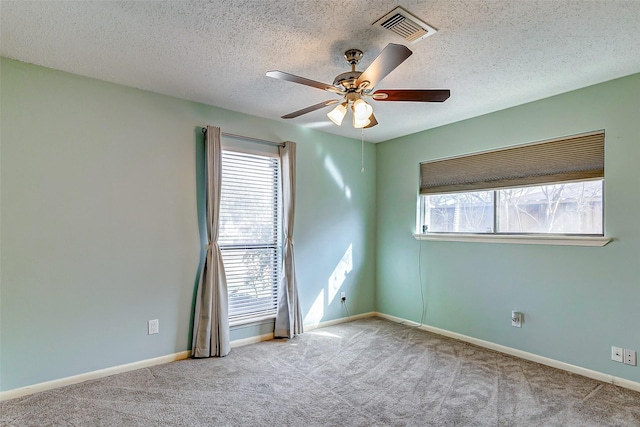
(354, 85)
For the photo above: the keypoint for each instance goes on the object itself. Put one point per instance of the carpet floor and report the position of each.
(369, 372)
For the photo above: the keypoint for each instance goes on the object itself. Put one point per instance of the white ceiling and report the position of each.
(491, 54)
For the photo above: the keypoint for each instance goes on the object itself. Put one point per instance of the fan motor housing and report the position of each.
(347, 80)
(353, 56)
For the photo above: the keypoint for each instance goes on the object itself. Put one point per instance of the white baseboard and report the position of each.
(251, 340)
(312, 326)
(100, 373)
(75, 379)
(622, 382)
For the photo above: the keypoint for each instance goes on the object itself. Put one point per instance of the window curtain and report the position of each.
(211, 319)
(289, 316)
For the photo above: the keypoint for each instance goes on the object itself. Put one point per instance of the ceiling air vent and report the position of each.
(406, 25)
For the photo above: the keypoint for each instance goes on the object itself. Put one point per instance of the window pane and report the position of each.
(458, 212)
(248, 202)
(251, 280)
(569, 208)
(250, 234)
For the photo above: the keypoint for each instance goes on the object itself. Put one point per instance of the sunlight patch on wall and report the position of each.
(337, 176)
(333, 171)
(344, 267)
(314, 316)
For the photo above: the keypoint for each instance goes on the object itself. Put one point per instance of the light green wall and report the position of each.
(100, 226)
(577, 301)
(100, 221)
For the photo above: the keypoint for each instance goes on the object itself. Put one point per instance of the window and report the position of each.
(250, 234)
(568, 208)
(553, 187)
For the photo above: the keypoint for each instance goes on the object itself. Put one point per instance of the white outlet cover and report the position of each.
(629, 357)
(616, 354)
(516, 319)
(154, 326)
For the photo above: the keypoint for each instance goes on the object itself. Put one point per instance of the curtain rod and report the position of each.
(247, 138)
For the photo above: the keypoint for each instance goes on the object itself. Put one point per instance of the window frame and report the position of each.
(509, 237)
(448, 183)
(259, 316)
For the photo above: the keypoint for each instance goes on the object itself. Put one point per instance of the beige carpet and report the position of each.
(370, 372)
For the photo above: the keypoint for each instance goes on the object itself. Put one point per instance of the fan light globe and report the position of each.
(337, 114)
(361, 110)
(358, 124)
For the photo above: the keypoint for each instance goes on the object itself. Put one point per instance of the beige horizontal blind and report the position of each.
(250, 234)
(573, 158)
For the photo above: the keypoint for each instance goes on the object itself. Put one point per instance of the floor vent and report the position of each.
(406, 25)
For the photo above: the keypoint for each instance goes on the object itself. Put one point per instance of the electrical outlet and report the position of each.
(154, 326)
(343, 296)
(629, 357)
(516, 319)
(616, 354)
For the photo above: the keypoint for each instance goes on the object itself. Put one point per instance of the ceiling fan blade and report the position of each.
(311, 108)
(301, 80)
(417, 95)
(390, 57)
(373, 120)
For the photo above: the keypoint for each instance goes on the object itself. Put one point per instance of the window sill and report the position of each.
(516, 239)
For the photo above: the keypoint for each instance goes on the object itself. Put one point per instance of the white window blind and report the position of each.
(250, 234)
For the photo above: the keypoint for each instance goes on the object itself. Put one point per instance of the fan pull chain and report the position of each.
(362, 151)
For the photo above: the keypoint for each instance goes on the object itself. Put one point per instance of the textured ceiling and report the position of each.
(491, 54)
